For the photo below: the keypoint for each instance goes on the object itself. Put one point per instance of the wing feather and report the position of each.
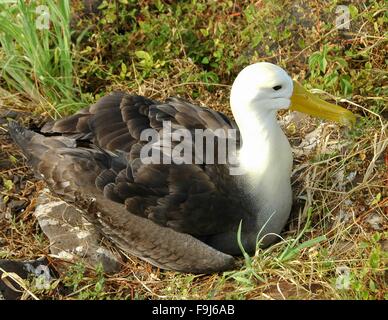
(201, 200)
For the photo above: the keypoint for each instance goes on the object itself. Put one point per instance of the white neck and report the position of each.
(265, 148)
(267, 160)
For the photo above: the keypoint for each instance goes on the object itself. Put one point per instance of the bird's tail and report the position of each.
(33, 145)
(23, 138)
(20, 135)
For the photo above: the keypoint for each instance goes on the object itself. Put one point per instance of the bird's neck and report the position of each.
(266, 160)
(265, 150)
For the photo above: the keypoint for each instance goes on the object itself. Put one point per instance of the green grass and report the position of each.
(37, 61)
(195, 49)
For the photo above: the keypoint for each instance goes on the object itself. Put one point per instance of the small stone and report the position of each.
(37, 271)
(375, 221)
(17, 206)
(348, 202)
(344, 216)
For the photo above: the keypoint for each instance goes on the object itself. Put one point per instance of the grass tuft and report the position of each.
(36, 57)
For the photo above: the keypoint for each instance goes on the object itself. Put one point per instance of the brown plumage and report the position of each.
(175, 216)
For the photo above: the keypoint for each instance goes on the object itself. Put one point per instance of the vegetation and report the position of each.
(335, 245)
(36, 53)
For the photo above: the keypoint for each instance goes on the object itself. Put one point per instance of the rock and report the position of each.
(344, 216)
(341, 181)
(17, 206)
(375, 221)
(36, 271)
(71, 236)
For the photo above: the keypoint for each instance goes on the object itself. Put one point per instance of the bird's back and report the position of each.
(97, 151)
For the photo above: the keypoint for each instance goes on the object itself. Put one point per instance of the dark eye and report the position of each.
(276, 88)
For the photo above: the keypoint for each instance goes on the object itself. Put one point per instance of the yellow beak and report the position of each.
(304, 101)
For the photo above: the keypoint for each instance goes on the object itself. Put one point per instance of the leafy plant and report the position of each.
(330, 69)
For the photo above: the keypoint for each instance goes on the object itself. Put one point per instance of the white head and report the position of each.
(261, 85)
(263, 88)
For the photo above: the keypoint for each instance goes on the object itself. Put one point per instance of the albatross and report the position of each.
(184, 217)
